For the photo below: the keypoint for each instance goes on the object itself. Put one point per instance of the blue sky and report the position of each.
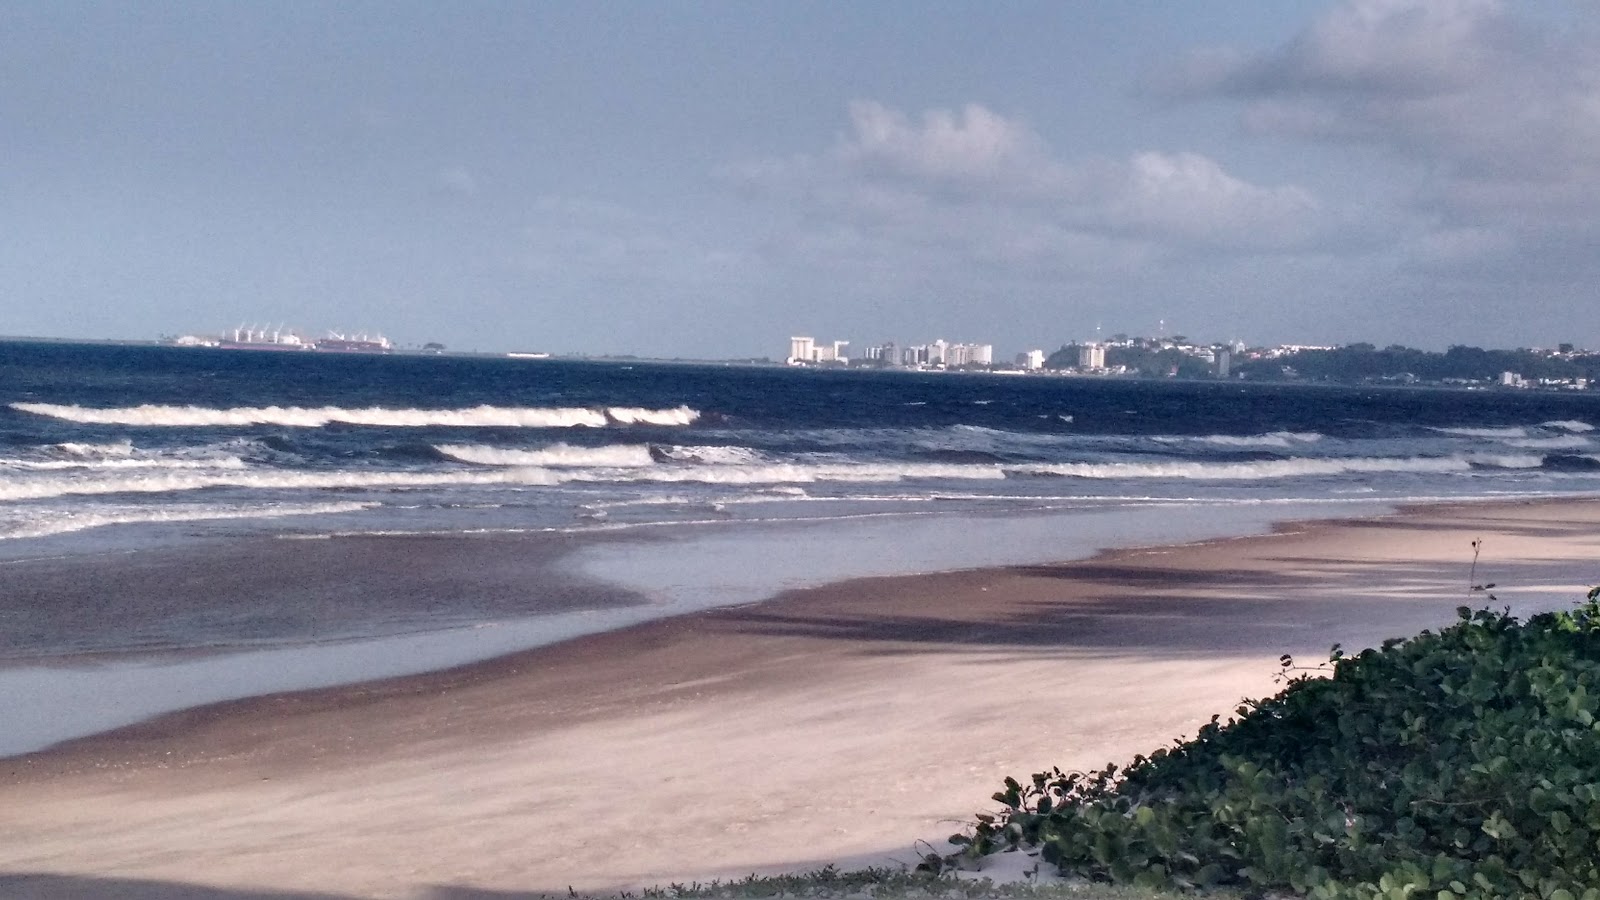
(706, 179)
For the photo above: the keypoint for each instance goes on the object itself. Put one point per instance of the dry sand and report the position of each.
(836, 725)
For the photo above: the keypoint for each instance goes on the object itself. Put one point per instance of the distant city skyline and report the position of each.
(688, 180)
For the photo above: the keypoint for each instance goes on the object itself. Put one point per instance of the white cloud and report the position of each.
(974, 144)
(1190, 195)
(986, 187)
(1416, 46)
(1499, 115)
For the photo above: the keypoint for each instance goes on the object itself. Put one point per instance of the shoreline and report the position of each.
(120, 636)
(836, 724)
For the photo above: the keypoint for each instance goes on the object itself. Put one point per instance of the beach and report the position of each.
(850, 724)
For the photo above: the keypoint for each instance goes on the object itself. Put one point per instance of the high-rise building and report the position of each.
(802, 350)
(1092, 356)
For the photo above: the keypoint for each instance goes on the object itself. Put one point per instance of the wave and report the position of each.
(1587, 462)
(64, 524)
(151, 415)
(716, 455)
(1280, 468)
(80, 457)
(1274, 439)
(678, 415)
(556, 455)
(1505, 460)
(509, 468)
(94, 451)
(1560, 442)
(780, 473)
(232, 462)
(41, 488)
(1495, 433)
(618, 456)
(1568, 425)
(955, 455)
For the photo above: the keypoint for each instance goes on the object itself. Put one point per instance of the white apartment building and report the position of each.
(1092, 356)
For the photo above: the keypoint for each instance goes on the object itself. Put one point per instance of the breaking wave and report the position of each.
(1559, 442)
(711, 455)
(556, 455)
(1275, 439)
(119, 464)
(40, 488)
(152, 415)
(67, 523)
(1494, 433)
(1587, 462)
(95, 451)
(1568, 425)
(678, 415)
(1280, 468)
(781, 473)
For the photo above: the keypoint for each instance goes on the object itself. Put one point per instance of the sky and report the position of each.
(704, 180)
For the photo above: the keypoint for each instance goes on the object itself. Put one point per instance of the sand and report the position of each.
(844, 724)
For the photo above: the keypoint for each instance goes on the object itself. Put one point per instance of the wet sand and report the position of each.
(835, 725)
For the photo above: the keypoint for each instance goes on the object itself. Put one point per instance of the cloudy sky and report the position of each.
(706, 179)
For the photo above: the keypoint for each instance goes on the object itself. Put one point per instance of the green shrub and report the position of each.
(1462, 764)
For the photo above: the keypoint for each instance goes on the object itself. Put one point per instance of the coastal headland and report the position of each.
(841, 724)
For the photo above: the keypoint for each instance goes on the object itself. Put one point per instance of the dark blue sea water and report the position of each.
(155, 443)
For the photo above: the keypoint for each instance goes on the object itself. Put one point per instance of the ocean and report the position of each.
(682, 486)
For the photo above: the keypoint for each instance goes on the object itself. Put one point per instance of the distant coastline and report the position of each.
(1355, 365)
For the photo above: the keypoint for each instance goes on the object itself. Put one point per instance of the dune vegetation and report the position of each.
(1458, 764)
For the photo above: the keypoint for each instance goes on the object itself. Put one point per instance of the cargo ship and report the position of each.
(354, 343)
(252, 338)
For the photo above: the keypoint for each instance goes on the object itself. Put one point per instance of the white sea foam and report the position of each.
(680, 415)
(66, 522)
(616, 456)
(89, 464)
(791, 473)
(315, 417)
(1274, 439)
(1506, 460)
(714, 455)
(556, 455)
(1559, 442)
(1276, 468)
(1493, 433)
(94, 451)
(1568, 425)
(40, 488)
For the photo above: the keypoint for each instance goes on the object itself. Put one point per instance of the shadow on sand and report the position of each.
(1179, 611)
(51, 886)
